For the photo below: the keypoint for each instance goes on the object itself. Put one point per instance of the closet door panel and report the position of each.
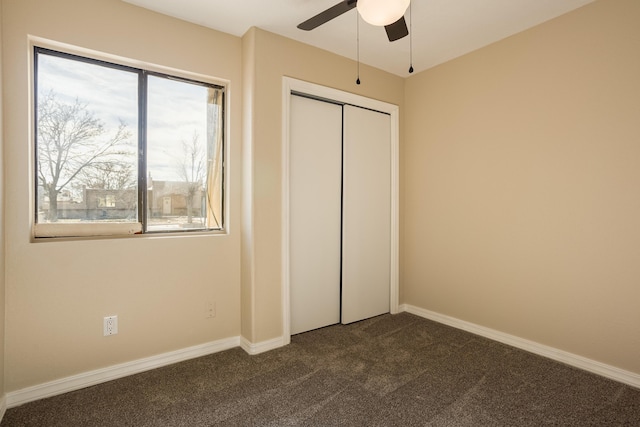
(366, 240)
(314, 207)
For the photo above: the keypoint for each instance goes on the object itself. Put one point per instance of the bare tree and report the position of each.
(109, 175)
(192, 169)
(70, 141)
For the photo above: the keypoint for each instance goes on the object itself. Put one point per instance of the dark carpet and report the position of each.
(398, 370)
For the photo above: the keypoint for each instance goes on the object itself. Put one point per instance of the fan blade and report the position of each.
(397, 30)
(328, 15)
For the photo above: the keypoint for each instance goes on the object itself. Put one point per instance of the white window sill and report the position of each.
(86, 229)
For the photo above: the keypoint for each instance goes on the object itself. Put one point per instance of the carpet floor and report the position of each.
(391, 370)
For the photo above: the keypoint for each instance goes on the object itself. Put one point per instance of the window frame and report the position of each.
(143, 71)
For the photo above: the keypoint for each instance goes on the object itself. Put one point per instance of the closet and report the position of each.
(339, 213)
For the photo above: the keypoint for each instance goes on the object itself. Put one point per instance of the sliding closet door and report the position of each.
(366, 214)
(314, 207)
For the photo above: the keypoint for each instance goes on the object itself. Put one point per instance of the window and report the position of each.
(108, 201)
(122, 148)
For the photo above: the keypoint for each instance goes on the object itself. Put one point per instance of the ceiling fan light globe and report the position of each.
(382, 12)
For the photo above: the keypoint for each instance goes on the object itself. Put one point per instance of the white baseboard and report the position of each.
(261, 347)
(3, 406)
(87, 379)
(608, 371)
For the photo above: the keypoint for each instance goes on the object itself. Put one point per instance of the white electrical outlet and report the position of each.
(210, 310)
(110, 325)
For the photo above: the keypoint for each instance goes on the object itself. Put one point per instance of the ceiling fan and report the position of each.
(389, 14)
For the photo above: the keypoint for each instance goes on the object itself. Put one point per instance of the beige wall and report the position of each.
(274, 57)
(57, 292)
(247, 234)
(2, 264)
(522, 185)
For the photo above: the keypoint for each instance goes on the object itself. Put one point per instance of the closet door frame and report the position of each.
(289, 86)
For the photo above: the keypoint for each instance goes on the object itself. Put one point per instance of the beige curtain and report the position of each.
(214, 157)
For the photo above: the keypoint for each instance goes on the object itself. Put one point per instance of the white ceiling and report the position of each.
(441, 29)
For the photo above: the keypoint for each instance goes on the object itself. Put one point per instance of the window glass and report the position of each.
(181, 150)
(87, 119)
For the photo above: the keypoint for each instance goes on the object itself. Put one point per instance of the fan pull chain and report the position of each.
(358, 45)
(410, 40)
